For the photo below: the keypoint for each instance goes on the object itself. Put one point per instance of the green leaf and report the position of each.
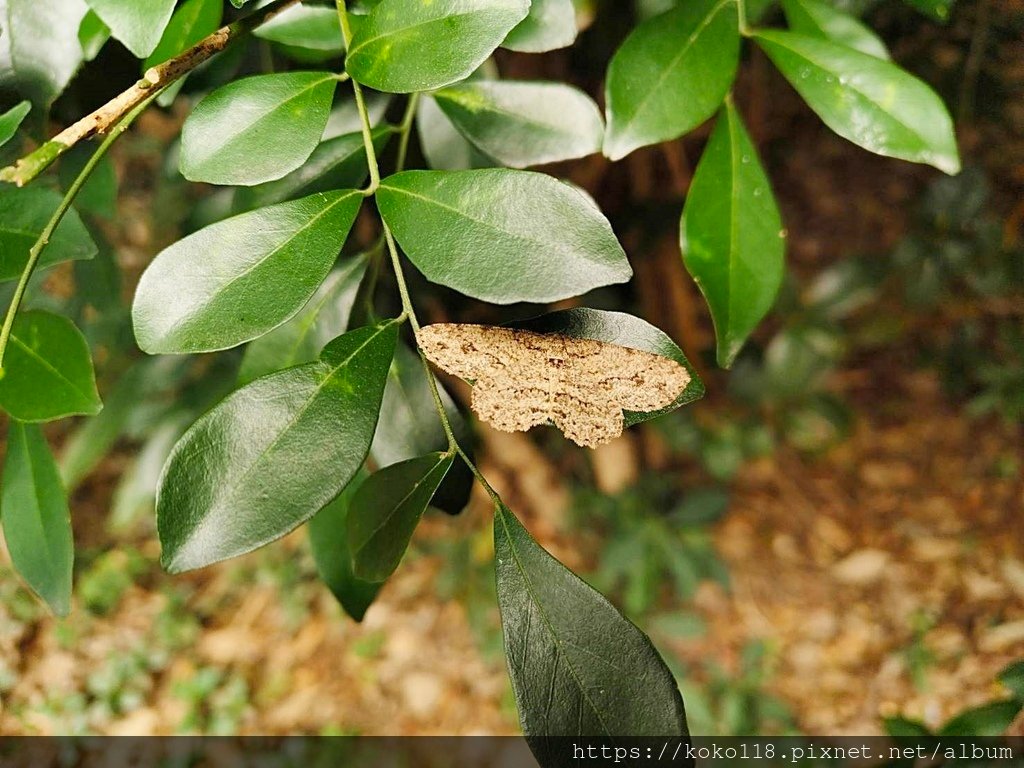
(409, 427)
(11, 119)
(92, 35)
(191, 22)
(328, 537)
(937, 9)
(239, 3)
(991, 719)
(404, 46)
(312, 32)
(136, 23)
(444, 148)
(550, 24)
(338, 163)
(625, 331)
(239, 278)
(300, 340)
(256, 129)
(671, 74)
(578, 667)
(731, 235)
(816, 18)
(39, 48)
(1013, 678)
(35, 516)
(23, 215)
(273, 453)
(47, 371)
(98, 195)
(386, 510)
(901, 726)
(502, 236)
(522, 124)
(871, 102)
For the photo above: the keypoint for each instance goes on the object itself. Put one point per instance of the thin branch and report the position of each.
(371, 154)
(160, 76)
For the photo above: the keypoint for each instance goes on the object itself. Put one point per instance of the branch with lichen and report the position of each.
(114, 111)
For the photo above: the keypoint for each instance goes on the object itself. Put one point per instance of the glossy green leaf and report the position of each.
(550, 24)
(138, 24)
(817, 18)
(273, 453)
(93, 35)
(39, 48)
(409, 45)
(409, 427)
(991, 719)
(871, 102)
(313, 31)
(625, 331)
(11, 119)
(98, 196)
(671, 74)
(47, 371)
(338, 163)
(300, 340)
(328, 538)
(386, 510)
(522, 124)
(35, 517)
(731, 235)
(937, 9)
(191, 22)
(256, 129)
(1012, 677)
(578, 667)
(23, 215)
(239, 278)
(502, 236)
(444, 148)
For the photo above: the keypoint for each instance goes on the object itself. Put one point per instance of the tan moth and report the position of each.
(582, 386)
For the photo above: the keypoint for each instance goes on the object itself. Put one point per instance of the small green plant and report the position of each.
(307, 432)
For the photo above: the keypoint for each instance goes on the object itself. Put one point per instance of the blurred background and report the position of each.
(831, 542)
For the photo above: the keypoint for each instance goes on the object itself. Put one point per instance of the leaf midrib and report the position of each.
(547, 622)
(712, 15)
(30, 464)
(394, 510)
(557, 247)
(46, 365)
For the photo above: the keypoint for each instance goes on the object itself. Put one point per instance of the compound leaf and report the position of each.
(273, 453)
(578, 667)
(408, 45)
(386, 509)
(239, 278)
(35, 516)
(522, 124)
(732, 235)
(47, 371)
(671, 74)
(871, 102)
(256, 129)
(502, 236)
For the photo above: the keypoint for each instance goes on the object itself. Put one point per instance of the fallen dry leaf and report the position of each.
(523, 378)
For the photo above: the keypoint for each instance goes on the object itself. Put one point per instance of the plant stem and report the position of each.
(364, 115)
(741, 9)
(111, 113)
(408, 311)
(405, 130)
(44, 237)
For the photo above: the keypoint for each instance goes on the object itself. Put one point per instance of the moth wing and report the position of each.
(588, 418)
(466, 351)
(637, 380)
(509, 405)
